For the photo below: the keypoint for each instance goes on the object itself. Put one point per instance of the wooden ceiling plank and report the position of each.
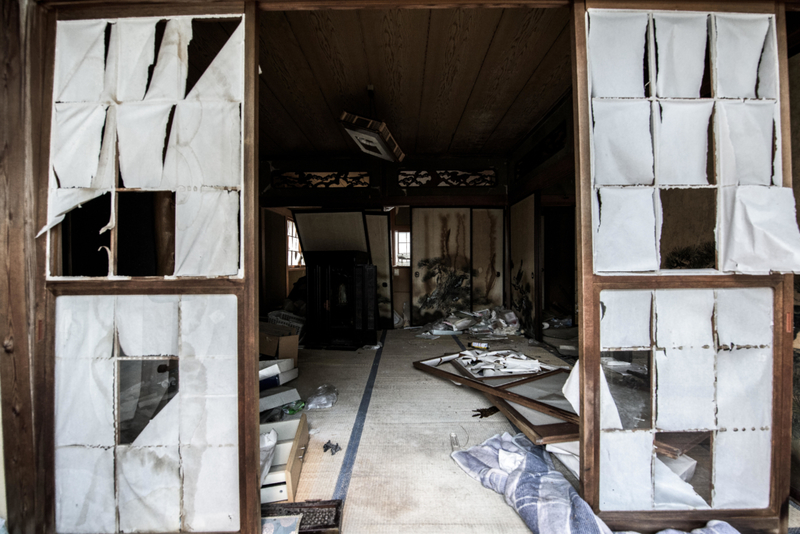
(277, 124)
(395, 44)
(333, 44)
(523, 38)
(549, 82)
(459, 40)
(287, 74)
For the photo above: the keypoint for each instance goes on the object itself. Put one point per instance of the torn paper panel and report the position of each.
(742, 469)
(211, 489)
(80, 60)
(746, 137)
(224, 77)
(685, 389)
(744, 389)
(768, 66)
(626, 233)
(623, 148)
(202, 377)
(172, 66)
(136, 51)
(76, 141)
(761, 233)
(681, 44)
(625, 319)
(142, 136)
(207, 233)
(625, 467)
(672, 493)
(84, 402)
(609, 416)
(209, 420)
(683, 143)
(147, 325)
(209, 326)
(84, 327)
(744, 316)
(84, 486)
(616, 53)
(163, 429)
(629, 384)
(683, 318)
(149, 485)
(740, 41)
(106, 176)
(205, 146)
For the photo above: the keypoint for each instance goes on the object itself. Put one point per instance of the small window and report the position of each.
(402, 249)
(295, 254)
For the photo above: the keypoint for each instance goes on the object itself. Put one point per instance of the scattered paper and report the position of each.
(625, 319)
(682, 157)
(745, 137)
(207, 233)
(80, 60)
(740, 41)
(681, 39)
(623, 148)
(616, 53)
(626, 231)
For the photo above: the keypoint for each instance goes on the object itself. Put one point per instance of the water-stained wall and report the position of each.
(523, 253)
(487, 258)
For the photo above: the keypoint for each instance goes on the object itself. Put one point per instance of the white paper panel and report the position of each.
(208, 326)
(683, 143)
(204, 146)
(172, 65)
(626, 236)
(209, 420)
(744, 389)
(84, 327)
(80, 60)
(76, 141)
(683, 318)
(616, 53)
(84, 490)
(742, 469)
(672, 493)
(760, 231)
(224, 77)
(148, 325)
(625, 471)
(209, 376)
(142, 134)
(84, 402)
(136, 54)
(623, 147)
(163, 429)
(685, 389)
(207, 233)
(149, 489)
(746, 137)
(744, 316)
(62, 201)
(681, 39)
(211, 489)
(740, 40)
(625, 319)
(768, 67)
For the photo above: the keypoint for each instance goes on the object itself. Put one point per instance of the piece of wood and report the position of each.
(91, 9)
(676, 444)
(538, 434)
(133, 286)
(296, 458)
(737, 6)
(783, 71)
(288, 5)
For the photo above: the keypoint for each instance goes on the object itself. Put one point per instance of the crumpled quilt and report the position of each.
(524, 474)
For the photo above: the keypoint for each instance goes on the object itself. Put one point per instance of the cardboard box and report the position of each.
(277, 341)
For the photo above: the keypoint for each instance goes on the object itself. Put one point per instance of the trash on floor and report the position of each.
(275, 397)
(482, 413)
(372, 347)
(428, 336)
(499, 362)
(323, 397)
(321, 517)
(287, 524)
(333, 447)
(267, 442)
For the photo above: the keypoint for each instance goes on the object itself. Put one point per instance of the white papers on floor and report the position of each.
(267, 442)
(499, 362)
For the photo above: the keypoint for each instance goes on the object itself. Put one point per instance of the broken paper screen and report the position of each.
(683, 142)
(745, 137)
(616, 53)
(681, 47)
(80, 60)
(625, 319)
(626, 233)
(625, 470)
(739, 46)
(207, 233)
(623, 147)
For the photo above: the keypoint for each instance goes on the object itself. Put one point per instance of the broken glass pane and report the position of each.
(145, 388)
(628, 376)
(683, 470)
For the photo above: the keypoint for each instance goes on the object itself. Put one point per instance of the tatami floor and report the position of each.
(393, 423)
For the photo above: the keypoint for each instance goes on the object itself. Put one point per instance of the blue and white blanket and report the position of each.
(523, 472)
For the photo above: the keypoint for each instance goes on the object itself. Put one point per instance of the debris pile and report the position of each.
(483, 364)
(486, 324)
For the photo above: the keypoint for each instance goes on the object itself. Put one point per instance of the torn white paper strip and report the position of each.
(80, 60)
(626, 231)
(142, 135)
(211, 489)
(625, 319)
(209, 326)
(136, 50)
(744, 316)
(768, 66)
(76, 140)
(609, 415)
(569, 455)
(112, 67)
(672, 493)
(685, 389)
(106, 176)
(761, 233)
(207, 233)
(683, 143)
(172, 66)
(84, 327)
(625, 471)
(84, 402)
(84, 487)
(623, 148)
(745, 136)
(681, 40)
(205, 146)
(740, 41)
(744, 374)
(224, 77)
(163, 429)
(616, 52)
(62, 201)
(742, 469)
(149, 489)
(683, 318)
(147, 325)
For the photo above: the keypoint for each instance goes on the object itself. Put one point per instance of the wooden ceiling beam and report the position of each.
(289, 5)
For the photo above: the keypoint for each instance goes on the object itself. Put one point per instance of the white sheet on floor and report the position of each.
(681, 40)
(625, 319)
(626, 231)
(623, 147)
(740, 41)
(616, 46)
(682, 153)
(207, 233)
(80, 60)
